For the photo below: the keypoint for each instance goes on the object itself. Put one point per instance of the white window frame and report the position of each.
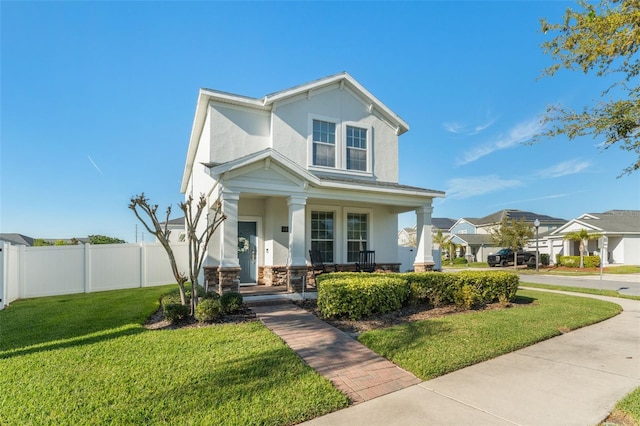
(340, 146)
(337, 228)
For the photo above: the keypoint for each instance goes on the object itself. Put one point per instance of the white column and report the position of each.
(296, 231)
(423, 234)
(229, 230)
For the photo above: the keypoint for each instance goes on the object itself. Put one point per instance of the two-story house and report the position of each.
(310, 167)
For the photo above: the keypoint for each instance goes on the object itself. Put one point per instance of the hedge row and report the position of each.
(574, 261)
(358, 295)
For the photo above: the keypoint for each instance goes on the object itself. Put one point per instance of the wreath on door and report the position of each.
(243, 245)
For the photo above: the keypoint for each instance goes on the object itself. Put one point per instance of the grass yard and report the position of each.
(629, 406)
(87, 359)
(434, 347)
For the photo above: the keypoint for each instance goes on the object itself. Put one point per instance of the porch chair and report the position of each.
(317, 265)
(366, 261)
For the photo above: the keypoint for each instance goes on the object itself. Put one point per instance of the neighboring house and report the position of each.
(311, 167)
(473, 235)
(620, 227)
(178, 232)
(17, 239)
(407, 236)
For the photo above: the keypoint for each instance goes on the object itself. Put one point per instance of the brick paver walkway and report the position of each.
(352, 367)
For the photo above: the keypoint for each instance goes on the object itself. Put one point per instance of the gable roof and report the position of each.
(443, 223)
(267, 103)
(611, 221)
(509, 214)
(17, 239)
(473, 239)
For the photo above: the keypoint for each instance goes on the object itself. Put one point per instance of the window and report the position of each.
(357, 235)
(356, 148)
(324, 143)
(322, 234)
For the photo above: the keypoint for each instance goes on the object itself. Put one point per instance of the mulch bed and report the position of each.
(158, 322)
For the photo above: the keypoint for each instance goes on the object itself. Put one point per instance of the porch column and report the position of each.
(424, 257)
(229, 269)
(296, 231)
(229, 230)
(296, 260)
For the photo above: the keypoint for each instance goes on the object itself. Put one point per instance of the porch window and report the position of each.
(357, 235)
(322, 234)
(324, 143)
(356, 148)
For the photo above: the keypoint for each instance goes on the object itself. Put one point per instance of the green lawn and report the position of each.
(610, 293)
(86, 359)
(630, 405)
(434, 347)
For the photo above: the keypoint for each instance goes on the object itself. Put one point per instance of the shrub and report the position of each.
(208, 310)
(231, 302)
(433, 288)
(173, 308)
(591, 261)
(358, 295)
(467, 297)
(210, 295)
(459, 261)
(569, 261)
(490, 286)
(544, 259)
(175, 311)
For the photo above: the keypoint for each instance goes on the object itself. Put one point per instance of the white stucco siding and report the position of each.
(292, 121)
(276, 241)
(236, 132)
(384, 234)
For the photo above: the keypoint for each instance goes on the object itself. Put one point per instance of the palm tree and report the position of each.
(583, 236)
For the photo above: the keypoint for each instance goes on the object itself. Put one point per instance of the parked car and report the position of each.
(504, 257)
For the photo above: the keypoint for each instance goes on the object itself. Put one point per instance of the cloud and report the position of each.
(520, 133)
(457, 128)
(563, 169)
(480, 185)
(95, 165)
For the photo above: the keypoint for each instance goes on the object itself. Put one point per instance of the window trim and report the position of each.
(340, 146)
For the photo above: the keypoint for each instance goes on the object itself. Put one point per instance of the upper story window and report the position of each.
(324, 143)
(356, 148)
(339, 145)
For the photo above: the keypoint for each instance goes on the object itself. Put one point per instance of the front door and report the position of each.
(248, 252)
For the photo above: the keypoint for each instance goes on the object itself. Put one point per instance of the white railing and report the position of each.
(46, 271)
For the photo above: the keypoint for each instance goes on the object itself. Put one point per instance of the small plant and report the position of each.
(172, 307)
(175, 311)
(208, 310)
(459, 261)
(544, 259)
(231, 302)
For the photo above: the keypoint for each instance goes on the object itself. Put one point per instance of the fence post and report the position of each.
(3, 274)
(22, 259)
(143, 264)
(87, 268)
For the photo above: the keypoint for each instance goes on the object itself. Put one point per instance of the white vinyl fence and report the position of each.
(46, 271)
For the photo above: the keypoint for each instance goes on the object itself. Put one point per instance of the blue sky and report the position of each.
(97, 101)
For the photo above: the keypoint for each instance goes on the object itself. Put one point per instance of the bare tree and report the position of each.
(197, 240)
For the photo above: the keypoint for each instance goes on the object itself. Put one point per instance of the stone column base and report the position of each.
(222, 279)
(423, 267)
(297, 278)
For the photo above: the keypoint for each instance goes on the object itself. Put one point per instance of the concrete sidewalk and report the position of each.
(572, 379)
